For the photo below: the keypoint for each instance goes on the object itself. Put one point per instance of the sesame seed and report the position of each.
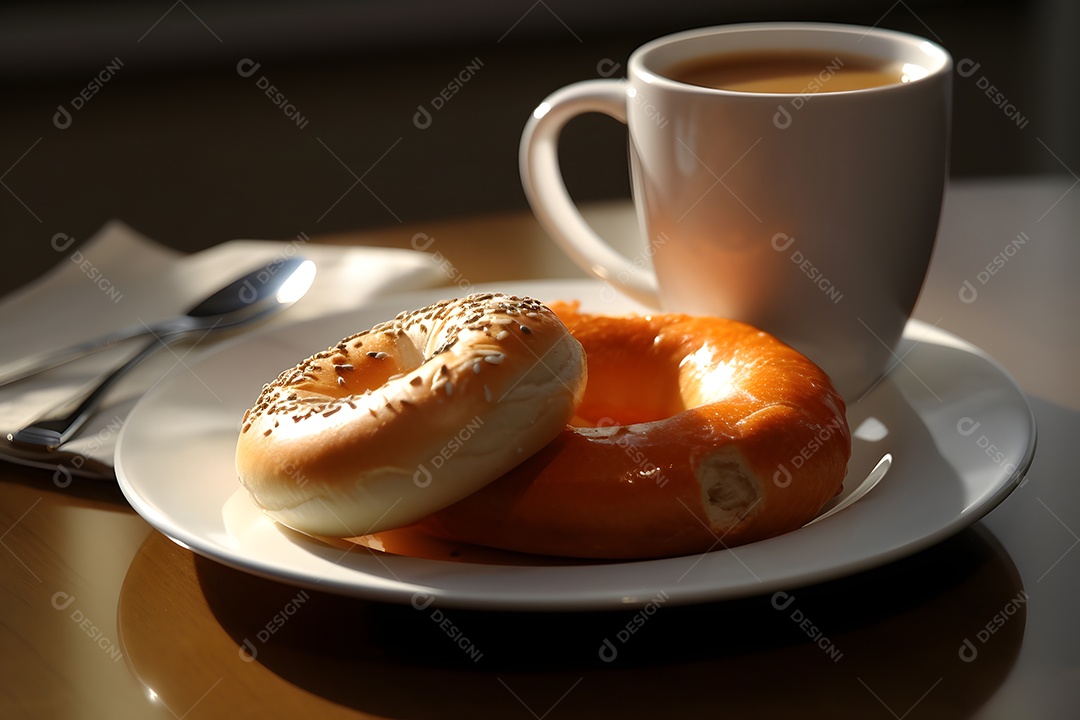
(297, 392)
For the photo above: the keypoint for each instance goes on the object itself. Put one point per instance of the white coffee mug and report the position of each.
(810, 214)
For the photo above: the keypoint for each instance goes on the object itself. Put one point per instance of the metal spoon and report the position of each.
(262, 292)
(241, 300)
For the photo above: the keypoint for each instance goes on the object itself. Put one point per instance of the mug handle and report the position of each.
(544, 187)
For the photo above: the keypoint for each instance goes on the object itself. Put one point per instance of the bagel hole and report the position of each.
(375, 365)
(366, 375)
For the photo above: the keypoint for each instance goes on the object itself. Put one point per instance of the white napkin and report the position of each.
(120, 278)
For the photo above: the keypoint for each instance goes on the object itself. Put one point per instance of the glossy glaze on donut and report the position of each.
(694, 434)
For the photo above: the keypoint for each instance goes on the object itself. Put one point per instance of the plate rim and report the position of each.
(587, 599)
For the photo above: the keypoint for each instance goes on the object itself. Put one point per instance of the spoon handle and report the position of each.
(57, 427)
(30, 365)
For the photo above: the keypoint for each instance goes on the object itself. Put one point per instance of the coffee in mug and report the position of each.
(789, 175)
(788, 71)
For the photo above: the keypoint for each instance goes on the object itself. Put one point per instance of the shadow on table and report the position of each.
(932, 635)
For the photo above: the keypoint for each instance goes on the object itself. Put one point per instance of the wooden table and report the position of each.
(102, 617)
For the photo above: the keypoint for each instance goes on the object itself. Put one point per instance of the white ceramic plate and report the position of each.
(959, 432)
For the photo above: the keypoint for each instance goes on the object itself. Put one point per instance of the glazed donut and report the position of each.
(694, 434)
(398, 421)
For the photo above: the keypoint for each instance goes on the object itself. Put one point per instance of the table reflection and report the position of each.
(938, 631)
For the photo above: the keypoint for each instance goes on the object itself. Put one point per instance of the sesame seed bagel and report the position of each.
(406, 418)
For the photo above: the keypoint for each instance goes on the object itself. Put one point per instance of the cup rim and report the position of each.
(638, 65)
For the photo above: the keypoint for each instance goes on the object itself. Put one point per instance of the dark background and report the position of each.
(183, 148)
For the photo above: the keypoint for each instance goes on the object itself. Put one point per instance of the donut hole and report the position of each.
(625, 390)
(641, 378)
